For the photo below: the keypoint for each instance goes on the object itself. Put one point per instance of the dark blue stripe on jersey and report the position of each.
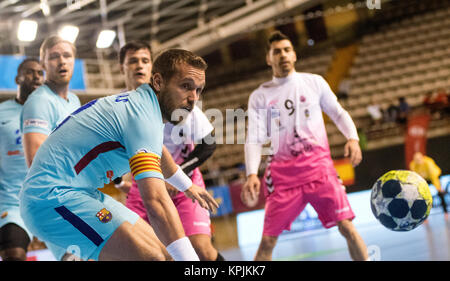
(79, 224)
(89, 104)
(64, 121)
(95, 152)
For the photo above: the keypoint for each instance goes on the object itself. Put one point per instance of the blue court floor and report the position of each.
(428, 242)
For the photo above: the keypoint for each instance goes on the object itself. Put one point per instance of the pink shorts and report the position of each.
(326, 195)
(195, 219)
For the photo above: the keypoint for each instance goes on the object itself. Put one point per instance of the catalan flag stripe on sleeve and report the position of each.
(145, 162)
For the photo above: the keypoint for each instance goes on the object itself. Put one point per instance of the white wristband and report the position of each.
(180, 180)
(182, 250)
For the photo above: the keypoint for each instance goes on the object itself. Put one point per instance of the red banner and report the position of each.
(416, 136)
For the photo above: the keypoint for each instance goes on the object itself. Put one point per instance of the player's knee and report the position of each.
(268, 242)
(203, 247)
(346, 229)
(207, 253)
(14, 254)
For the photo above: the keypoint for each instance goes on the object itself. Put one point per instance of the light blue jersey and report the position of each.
(92, 146)
(100, 141)
(44, 110)
(13, 168)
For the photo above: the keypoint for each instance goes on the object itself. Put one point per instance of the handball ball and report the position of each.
(401, 200)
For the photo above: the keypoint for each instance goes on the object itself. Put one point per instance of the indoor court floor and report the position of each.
(428, 242)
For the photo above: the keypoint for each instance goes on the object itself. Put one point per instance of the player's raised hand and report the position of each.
(353, 150)
(203, 197)
(251, 187)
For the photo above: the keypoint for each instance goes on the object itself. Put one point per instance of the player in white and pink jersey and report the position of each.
(180, 140)
(287, 111)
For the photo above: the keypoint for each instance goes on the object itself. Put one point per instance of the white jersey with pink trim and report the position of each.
(288, 113)
(180, 139)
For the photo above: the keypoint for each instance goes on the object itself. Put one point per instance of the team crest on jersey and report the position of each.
(104, 215)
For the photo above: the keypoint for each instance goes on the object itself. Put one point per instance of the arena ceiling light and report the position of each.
(69, 33)
(27, 30)
(105, 38)
(45, 7)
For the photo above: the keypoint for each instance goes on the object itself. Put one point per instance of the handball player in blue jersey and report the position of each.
(49, 104)
(14, 236)
(106, 138)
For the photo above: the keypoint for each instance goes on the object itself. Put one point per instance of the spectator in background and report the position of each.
(403, 111)
(427, 168)
(375, 112)
(436, 102)
(392, 113)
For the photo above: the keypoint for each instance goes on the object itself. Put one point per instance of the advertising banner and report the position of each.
(416, 136)
(8, 73)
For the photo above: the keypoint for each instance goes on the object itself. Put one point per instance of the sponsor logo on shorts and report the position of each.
(200, 223)
(342, 210)
(104, 215)
(4, 215)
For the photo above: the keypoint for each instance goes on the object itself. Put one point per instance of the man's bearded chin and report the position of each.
(172, 114)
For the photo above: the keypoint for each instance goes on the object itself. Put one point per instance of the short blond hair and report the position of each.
(52, 41)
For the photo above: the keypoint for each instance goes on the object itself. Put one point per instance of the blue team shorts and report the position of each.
(77, 220)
